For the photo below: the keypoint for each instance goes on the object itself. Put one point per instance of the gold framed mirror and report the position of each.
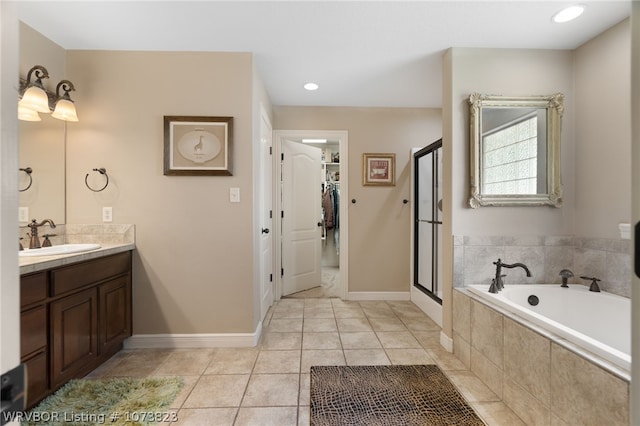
(515, 150)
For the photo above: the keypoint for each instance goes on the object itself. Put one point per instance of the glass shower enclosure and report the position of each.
(427, 275)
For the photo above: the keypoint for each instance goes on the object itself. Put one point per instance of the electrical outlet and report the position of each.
(234, 195)
(23, 214)
(107, 214)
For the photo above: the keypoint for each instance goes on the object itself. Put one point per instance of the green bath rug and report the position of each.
(117, 401)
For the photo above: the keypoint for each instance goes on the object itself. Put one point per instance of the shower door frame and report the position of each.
(436, 225)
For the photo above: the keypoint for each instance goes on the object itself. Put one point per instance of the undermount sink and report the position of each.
(61, 249)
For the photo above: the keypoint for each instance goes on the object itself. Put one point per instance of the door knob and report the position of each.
(320, 224)
(265, 230)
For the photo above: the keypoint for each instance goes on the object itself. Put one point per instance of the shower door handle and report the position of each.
(636, 255)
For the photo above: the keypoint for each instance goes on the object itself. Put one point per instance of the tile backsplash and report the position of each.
(606, 259)
(75, 234)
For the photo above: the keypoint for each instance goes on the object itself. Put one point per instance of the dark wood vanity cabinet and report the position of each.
(73, 318)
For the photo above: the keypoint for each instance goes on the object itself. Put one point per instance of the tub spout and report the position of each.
(565, 274)
(497, 283)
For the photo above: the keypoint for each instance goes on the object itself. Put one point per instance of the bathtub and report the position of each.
(597, 322)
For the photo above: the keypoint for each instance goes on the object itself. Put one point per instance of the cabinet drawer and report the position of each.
(33, 288)
(76, 276)
(33, 330)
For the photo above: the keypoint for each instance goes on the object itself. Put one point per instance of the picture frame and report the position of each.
(379, 169)
(195, 145)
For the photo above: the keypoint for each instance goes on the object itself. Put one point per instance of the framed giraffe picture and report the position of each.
(198, 146)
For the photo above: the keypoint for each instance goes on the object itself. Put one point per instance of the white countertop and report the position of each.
(39, 263)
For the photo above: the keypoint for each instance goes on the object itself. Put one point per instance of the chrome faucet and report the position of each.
(497, 284)
(34, 242)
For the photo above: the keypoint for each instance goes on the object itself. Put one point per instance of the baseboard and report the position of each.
(379, 295)
(193, 341)
(446, 342)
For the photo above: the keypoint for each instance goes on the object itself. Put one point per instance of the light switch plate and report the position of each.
(234, 195)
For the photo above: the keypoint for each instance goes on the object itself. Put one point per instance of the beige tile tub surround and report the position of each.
(546, 256)
(543, 382)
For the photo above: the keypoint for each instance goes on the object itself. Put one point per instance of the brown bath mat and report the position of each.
(386, 395)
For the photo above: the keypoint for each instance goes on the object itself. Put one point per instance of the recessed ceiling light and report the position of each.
(311, 86)
(568, 14)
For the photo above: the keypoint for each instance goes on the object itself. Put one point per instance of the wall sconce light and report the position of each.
(26, 114)
(64, 108)
(35, 98)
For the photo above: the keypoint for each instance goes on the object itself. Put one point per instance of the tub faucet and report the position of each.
(497, 283)
(565, 274)
(34, 242)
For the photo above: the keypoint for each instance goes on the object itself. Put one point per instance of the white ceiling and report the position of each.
(361, 53)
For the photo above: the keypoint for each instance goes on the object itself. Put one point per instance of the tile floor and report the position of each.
(269, 384)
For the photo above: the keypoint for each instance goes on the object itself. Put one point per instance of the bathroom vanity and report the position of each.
(75, 312)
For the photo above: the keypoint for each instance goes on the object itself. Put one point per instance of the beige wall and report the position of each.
(379, 223)
(603, 133)
(509, 72)
(193, 269)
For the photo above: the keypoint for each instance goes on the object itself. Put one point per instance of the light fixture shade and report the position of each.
(35, 99)
(26, 114)
(65, 110)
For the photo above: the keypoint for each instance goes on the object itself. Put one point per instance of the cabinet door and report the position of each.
(114, 299)
(37, 378)
(74, 335)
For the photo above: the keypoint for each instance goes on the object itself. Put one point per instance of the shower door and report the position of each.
(427, 274)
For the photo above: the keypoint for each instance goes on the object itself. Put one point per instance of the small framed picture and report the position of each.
(379, 169)
(198, 146)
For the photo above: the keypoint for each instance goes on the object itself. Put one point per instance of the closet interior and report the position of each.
(330, 205)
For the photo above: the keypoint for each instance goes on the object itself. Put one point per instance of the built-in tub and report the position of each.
(599, 322)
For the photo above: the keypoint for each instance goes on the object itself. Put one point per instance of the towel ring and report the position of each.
(28, 171)
(102, 171)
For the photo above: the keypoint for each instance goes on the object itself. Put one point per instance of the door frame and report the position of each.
(342, 136)
(266, 292)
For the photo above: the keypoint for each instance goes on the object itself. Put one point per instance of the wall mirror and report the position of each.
(42, 148)
(515, 150)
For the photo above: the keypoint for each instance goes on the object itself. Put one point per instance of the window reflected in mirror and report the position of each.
(512, 142)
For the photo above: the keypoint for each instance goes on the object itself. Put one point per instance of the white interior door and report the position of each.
(301, 219)
(266, 208)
